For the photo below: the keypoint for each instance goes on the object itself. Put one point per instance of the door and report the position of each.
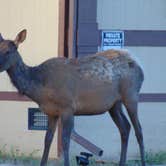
(82, 33)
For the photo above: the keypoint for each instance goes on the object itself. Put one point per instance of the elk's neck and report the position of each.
(20, 75)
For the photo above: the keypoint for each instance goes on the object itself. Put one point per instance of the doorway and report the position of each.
(81, 34)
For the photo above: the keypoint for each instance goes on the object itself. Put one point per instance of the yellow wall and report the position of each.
(40, 18)
(14, 133)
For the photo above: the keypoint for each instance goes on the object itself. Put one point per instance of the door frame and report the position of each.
(67, 35)
(61, 31)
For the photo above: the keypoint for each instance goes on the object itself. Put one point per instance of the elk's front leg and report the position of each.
(67, 127)
(52, 122)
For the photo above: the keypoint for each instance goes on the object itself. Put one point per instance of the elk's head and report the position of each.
(8, 50)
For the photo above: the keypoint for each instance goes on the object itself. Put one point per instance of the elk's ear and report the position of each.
(20, 37)
(1, 38)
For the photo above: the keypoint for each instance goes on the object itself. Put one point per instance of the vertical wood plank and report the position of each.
(61, 34)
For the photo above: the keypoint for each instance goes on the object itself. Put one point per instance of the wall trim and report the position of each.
(140, 38)
(13, 96)
(143, 98)
(151, 38)
(152, 97)
(87, 28)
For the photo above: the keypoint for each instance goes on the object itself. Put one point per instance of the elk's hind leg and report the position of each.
(124, 129)
(131, 103)
(52, 122)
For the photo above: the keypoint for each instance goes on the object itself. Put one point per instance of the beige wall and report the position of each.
(132, 14)
(153, 61)
(14, 130)
(40, 18)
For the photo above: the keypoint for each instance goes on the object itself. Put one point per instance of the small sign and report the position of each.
(37, 120)
(112, 40)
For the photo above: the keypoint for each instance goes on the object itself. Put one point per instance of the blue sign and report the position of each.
(112, 40)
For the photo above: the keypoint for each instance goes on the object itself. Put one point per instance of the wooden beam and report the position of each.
(61, 31)
(86, 144)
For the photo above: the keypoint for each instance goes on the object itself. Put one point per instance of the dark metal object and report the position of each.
(83, 160)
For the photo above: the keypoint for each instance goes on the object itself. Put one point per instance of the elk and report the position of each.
(95, 84)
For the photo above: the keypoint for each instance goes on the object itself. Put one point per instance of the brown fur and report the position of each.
(112, 53)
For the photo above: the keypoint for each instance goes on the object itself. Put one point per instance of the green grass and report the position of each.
(14, 156)
(156, 158)
(20, 159)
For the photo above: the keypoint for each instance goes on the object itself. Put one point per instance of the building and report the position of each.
(74, 28)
